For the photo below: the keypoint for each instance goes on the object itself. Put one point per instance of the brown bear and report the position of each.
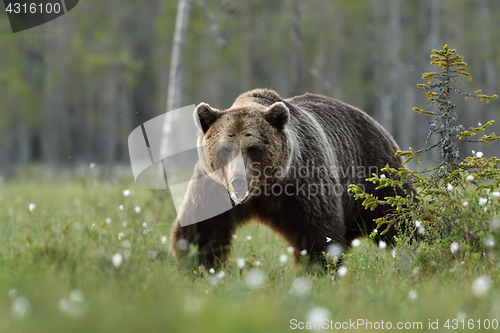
(298, 157)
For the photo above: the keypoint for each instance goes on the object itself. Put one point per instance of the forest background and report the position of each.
(73, 89)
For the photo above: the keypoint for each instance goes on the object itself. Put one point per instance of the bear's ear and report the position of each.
(205, 116)
(277, 115)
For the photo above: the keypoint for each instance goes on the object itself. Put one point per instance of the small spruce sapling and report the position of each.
(445, 124)
(458, 202)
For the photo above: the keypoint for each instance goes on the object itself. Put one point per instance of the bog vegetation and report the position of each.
(454, 214)
(90, 256)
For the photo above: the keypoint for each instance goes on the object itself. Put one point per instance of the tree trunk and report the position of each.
(246, 45)
(174, 95)
(111, 97)
(296, 49)
(486, 80)
(386, 20)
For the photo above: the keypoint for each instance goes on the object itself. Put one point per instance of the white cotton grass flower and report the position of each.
(465, 203)
(117, 260)
(258, 263)
(449, 187)
(249, 238)
(342, 271)
(164, 240)
(418, 224)
(126, 193)
(318, 314)
(211, 271)
(412, 295)
(335, 251)
(461, 315)
(144, 225)
(375, 231)
(382, 176)
(479, 154)
(221, 274)
(481, 285)
(235, 236)
(283, 258)
(382, 245)
(454, 247)
(74, 306)
(108, 220)
(21, 307)
(120, 207)
(469, 178)
(482, 201)
(240, 262)
(290, 249)
(76, 296)
(355, 242)
(495, 194)
(255, 278)
(489, 241)
(137, 209)
(92, 166)
(120, 235)
(32, 207)
(328, 239)
(126, 243)
(124, 224)
(303, 252)
(393, 252)
(301, 286)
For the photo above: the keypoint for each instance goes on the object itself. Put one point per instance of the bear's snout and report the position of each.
(239, 186)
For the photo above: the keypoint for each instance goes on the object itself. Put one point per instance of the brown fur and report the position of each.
(280, 137)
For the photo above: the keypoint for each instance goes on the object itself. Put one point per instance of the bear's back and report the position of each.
(353, 132)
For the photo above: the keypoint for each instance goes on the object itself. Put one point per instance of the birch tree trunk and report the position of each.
(174, 94)
(246, 45)
(388, 65)
(296, 49)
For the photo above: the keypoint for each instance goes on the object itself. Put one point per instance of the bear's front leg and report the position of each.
(206, 243)
(208, 223)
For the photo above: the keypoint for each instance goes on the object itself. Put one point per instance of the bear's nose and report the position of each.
(239, 182)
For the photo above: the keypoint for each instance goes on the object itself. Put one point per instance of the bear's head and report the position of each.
(244, 147)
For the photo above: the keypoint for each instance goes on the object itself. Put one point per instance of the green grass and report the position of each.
(66, 245)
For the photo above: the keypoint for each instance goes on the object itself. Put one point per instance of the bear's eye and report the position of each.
(231, 135)
(248, 134)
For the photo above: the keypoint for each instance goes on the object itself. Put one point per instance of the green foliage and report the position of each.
(453, 217)
(445, 123)
(64, 249)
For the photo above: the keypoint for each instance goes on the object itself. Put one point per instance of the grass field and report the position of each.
(60, 272)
